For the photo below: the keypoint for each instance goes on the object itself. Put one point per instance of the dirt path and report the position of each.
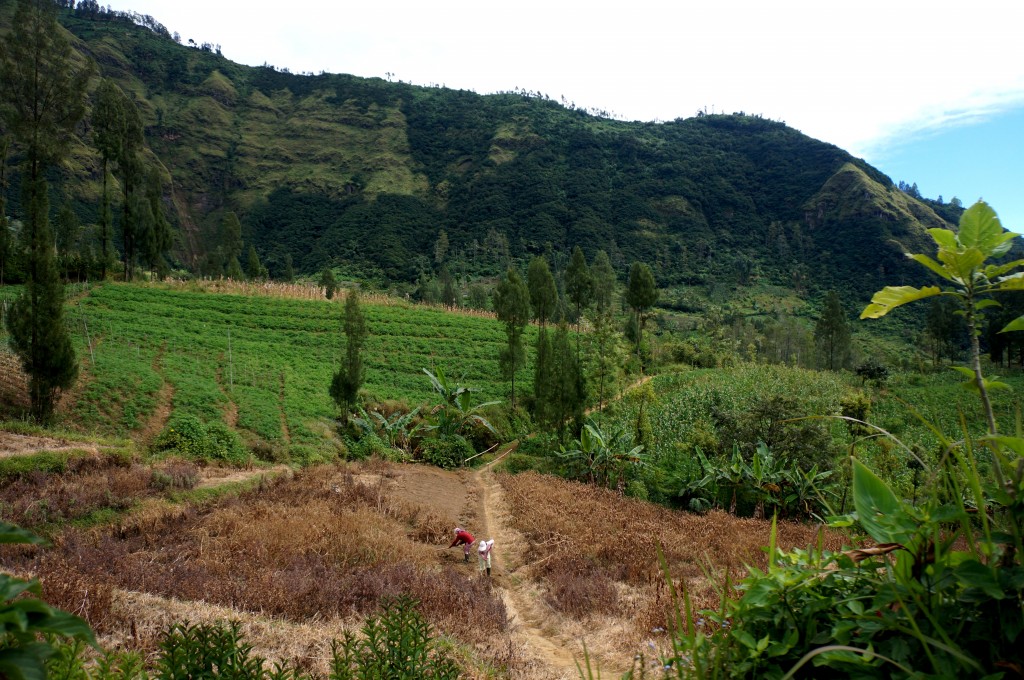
(537, 626)
(534, 624)
(643, 380)
(157, 420)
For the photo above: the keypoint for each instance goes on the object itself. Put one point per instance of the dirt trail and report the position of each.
(535, 623)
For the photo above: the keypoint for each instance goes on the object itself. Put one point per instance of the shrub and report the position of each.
(446, 452)
(224, 444)
(398, 644)
(637, 489)
(189, 437)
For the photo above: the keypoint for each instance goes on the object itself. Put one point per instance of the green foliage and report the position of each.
(602, 456)
(457, 413)
(512, 307)
(965, 262)
(209, 651)
(328, 282)
(349, 378)
(832, 334)
(399, 644)
(36, 319)
(937, 594)
(446, 452)
(543, 291)
(191, 438)
(641, 294)
(28, 625)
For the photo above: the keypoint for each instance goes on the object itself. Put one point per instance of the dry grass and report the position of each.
(596, 552)
(321, 545)
(90, 483)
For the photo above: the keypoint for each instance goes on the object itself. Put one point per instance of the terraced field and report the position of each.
(260, 363)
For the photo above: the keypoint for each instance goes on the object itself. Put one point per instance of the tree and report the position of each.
(964, 263)
(579, 287)
(543, 291)
(605, 359)
(602, 281)
(349, 378)
(6, 242)
(43, 99)
(542, 378)
(66, 236)
(641, 294)
(36, 319)
(328, 282)
(231, 236)
(253, 267)
(449, 294)
(568, 390)
(512, 307)
(441, 247)
(289, 268)
(108, 122)
(234, 270)
(156, 238)
(832, 334)
(130, 168)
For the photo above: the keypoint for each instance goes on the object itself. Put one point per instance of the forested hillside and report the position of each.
(365, 174)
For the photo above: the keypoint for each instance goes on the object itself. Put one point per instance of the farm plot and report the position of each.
(262, 364)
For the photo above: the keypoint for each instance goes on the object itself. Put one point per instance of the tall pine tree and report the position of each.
(832, 334)
(512, 307)
(43, 99)
(349, 378)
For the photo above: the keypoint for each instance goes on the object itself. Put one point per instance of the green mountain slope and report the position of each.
(364, 173)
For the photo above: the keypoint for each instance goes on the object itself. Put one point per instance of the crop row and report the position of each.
(268, 360)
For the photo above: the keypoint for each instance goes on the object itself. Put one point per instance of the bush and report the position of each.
(304, 455)
(368, 446)
(446, 452)
(190, 438)
(637, 489)
(225, 445)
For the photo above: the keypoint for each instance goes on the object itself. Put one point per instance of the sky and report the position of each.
(928, 91)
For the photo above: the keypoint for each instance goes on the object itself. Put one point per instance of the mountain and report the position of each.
(364, 173)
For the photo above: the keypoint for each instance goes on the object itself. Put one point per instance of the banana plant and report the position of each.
(600, 455)
(964, 262)
(456, 410)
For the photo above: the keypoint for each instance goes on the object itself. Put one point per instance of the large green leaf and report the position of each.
(994, 271)
(944, 238)
(980, 228)
(1012, 282)
(932, 264)
(891, 297)
(962, 264)
(1015, 325)
(10, 533)
(878, 510)
(974, 574)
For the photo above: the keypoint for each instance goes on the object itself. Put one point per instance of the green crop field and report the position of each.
(261, 363)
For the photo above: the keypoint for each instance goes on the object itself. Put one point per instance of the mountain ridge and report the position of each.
(336, 170)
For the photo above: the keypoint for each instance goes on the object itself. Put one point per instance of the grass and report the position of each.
(259, 362)
(596, 552)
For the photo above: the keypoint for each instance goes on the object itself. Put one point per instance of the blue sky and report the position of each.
(928, 91)
(982, 158)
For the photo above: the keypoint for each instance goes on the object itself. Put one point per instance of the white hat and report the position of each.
(458, 529)
(483, 546)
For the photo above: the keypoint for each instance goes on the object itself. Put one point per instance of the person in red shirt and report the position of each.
(465, 539)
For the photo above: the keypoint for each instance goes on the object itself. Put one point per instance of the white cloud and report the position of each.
(859, 75)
